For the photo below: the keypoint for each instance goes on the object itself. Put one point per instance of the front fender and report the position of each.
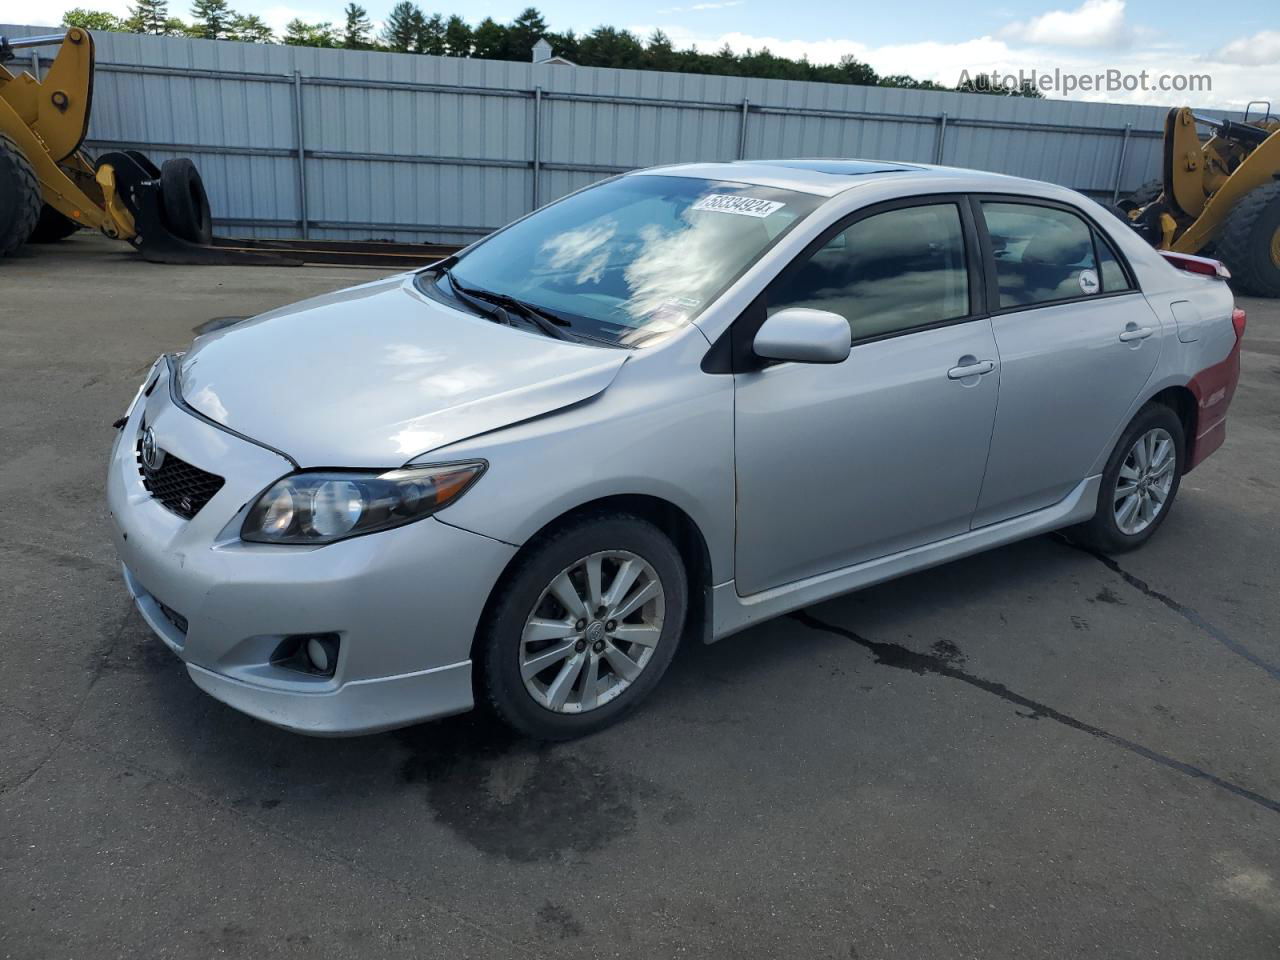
(663, 429)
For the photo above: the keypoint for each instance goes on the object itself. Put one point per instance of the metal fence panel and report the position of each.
(440, 149)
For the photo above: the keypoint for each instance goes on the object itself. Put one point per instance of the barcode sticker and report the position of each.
(742, 206)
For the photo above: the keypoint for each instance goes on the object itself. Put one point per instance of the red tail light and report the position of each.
(1238, 319)
(1206, 266)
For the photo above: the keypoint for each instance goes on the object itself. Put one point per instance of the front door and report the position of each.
(842, 463)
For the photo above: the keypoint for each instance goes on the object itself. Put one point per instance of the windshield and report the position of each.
(636, 256)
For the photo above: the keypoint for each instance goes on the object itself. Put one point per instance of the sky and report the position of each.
(929, 39)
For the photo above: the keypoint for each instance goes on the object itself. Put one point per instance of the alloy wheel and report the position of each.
(592, 632)
(1145, 480)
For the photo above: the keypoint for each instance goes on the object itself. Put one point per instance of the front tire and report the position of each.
(1139, 483)
(1250, 242)
(20, 199)
(583, 626)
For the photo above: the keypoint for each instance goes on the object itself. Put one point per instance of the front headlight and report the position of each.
(324, 506)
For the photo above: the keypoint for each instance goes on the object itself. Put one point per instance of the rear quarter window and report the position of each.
(1114, 279)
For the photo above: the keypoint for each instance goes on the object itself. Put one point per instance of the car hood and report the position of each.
(379, 374)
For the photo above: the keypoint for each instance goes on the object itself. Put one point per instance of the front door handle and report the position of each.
(1134, 332)
(975, 368)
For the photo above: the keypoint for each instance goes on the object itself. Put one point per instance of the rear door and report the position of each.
(840, 463)
(1077, 343)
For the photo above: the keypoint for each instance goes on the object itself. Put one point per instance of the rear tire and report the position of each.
(20, 200)
(186, 205)
(1129, 487)
(1250, 242)
(510, 644)
(52, 226)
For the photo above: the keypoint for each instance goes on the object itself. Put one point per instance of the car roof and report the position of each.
(826, 176)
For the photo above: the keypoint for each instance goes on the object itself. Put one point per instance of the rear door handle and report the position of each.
(974, 369)
(1134, 332)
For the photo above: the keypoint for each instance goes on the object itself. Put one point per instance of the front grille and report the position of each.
(178, 485)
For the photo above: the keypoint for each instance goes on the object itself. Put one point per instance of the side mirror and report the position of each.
(804, 336)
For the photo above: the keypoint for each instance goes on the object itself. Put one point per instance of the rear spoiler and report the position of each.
(1205, 266)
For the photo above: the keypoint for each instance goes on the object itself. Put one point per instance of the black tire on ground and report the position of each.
(1250, 242)
(19, 197)
(52, 226)
(1144, 194)
(498, 642)
(145, 162)
(130, 171)
(186, 205)
(1102, 533)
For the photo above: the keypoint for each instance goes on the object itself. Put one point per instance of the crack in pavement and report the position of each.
(904, 658)
(1181, 609)
(317, 850)
(62, 734)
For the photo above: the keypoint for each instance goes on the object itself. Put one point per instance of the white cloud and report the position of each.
(704, 6)
(277, 17)
(1260, 50)
(49, 12)
(1095, 23)
(1232, 84)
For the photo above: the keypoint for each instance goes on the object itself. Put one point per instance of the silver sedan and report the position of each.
(663, 408)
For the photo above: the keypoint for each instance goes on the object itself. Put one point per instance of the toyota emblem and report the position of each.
(152, 455)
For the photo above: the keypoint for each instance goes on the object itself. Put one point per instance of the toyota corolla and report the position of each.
(661, 409)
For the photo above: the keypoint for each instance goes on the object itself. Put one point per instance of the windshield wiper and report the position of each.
(485, 307)
(501, 305)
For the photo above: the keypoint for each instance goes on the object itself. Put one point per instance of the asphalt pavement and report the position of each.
(1031, 753)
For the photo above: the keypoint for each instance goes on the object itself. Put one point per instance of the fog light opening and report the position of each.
(315, 654)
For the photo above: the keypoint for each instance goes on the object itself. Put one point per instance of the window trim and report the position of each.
(733, 353)
(976, 200)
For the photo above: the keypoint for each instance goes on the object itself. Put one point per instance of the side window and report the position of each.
(1113, 278)
(892, 271)
(1041, 253)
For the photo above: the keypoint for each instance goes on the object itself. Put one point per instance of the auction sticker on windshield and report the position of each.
(742, 206)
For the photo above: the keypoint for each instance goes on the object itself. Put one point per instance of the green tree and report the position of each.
(457, 37)
(431, 36)
(525, 30)
(212, 18)
(298, 33)
(908, 82)
(855, 71)
(150, 16)
(93, 20)
(611, 47)
(659, 54)
(404, 24)
(249, 28)
(358, 29)
(564, 45)
(489, 40)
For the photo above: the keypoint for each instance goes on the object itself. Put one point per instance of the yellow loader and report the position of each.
(1220, 197)
(49, 187)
